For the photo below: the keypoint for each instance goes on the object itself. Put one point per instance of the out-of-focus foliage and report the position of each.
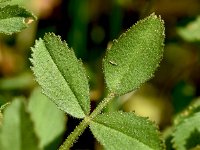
(14, 19)
(38, 125)
(17, 130)
(88, 25)
(191, 32)
(48, 120)
(20, 82)
(184, 134)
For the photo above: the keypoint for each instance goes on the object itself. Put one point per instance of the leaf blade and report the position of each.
(134, 57)
(17, 130)
(4, 2)
(191, 31)
(119, 130)
(187, 130)
(61, 75)
(49, 121)
(14, 19)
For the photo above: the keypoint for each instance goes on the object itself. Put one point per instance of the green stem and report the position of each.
(102, 105)
(83, 125)
(74, 135)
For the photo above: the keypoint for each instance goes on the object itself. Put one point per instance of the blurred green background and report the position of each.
(89, 26)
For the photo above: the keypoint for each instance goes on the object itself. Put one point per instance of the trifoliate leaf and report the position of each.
(134, 57)
(120, 130)
(61, 75)
(191, 32)
(14, 19)
(17, 130)
(49, 121)
(187, 133)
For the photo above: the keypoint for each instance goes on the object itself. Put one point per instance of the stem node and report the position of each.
(84, 124)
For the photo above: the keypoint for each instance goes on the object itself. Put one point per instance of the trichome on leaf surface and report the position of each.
(131, 61)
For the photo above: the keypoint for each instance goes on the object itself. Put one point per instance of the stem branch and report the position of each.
(83, 125)
(74, 135)
(102, 105)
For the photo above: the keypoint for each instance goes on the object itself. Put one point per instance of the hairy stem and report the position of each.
(102, 105)
(74, 135)
(84, 124)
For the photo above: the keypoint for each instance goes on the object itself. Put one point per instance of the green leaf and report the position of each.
(191, 32)
(1, 114)
(14, 2)
(134, 57)
(17, 131)
(61, 75)
(167, 135)
(4, 106)
(49, 121)
(14, 19)
(18, 82)
(187, 121)
(190, 111)
(119, 130)
(187, 133)
(1, 118)
(2, 1)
